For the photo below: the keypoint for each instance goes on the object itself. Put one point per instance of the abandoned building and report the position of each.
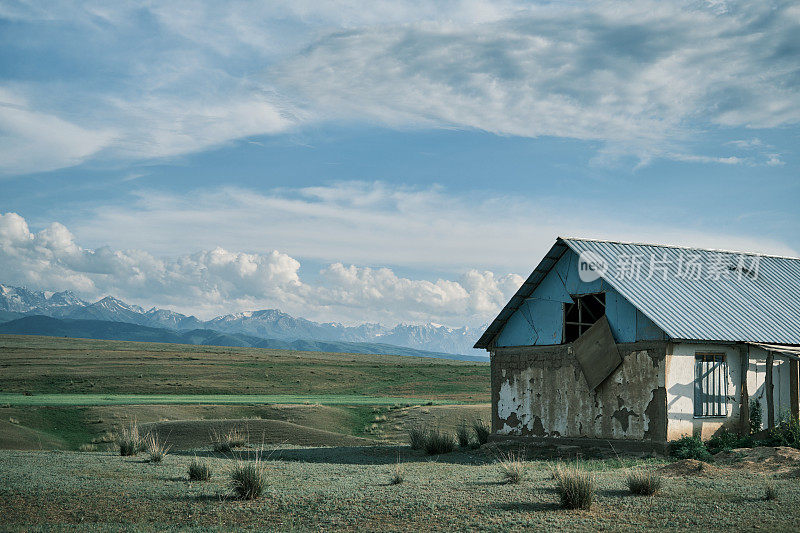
(641, 344)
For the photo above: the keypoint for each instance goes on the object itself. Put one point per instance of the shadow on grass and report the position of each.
(526, 506)
(348, 455)
(615, 492)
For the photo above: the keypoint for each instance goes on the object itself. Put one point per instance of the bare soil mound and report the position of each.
(760, 458)
(689, 467)
(189, 434)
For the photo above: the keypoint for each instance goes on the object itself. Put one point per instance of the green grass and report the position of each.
(205, 399)
(348, 489)
(51, 365)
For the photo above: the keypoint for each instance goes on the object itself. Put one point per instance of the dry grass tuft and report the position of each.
(512, 466)
(225, 442)
(199, 470)
(481, 430)
(644, 483)
(770, 492)
(397, 475)
(129, 441)
(155, 448)
(438, 442)
(574, 486)
(248, 479)
(463, 435)
(417, 437)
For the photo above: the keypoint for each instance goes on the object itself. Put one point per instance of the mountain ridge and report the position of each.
(126, 331)
(270, 324)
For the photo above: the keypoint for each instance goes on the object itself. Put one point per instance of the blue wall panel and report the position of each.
(540, 320)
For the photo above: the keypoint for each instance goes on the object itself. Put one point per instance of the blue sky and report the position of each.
(383, 161)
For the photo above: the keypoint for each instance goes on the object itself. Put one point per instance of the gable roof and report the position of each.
(757, 303)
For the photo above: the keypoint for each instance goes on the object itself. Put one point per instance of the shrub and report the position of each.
(156, 449)
(575, 487)
(689, 448)
(417, 437)
(224, 443)
(728, 440)
(129, 441)
(756, 416)
(512, 466)
(787, 433)
(199, 470)
(438, 442)
(248, 480)
(481, 431)
(770, 492)
(644, 483)
(463, 435)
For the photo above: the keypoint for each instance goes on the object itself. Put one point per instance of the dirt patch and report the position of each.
(189, 434)
(761, 458)
(689, 467)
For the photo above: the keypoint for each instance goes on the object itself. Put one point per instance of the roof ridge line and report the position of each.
(718, 250)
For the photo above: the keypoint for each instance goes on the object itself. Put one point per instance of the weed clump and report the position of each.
(787, 433)
(417, 437)
(689, 448)
(770, 492)
(574, 486)
(397, 475)
(199, 470)
(225, 442)
(756, 416)
(481, 430)
(644, 483)
(129, 441)
(512, 466)
(463, 435)
(438, 442)
(248, 480)
(155, 448)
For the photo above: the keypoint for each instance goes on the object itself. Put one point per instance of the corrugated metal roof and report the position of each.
(758, 304)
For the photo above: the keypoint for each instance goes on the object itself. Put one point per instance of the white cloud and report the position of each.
(644, 79)
(32, 140)
(374, 223)
(213, 282)
(645, 76)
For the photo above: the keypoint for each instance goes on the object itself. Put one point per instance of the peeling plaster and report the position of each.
(543, 393)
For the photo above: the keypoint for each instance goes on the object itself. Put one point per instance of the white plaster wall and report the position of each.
(756, 378)
(680, 388)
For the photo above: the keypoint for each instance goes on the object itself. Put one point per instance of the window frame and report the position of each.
(712, 387)
(582, 325)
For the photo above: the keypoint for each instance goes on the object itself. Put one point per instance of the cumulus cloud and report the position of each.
(218, 281)
(641, 78)
(424, 229)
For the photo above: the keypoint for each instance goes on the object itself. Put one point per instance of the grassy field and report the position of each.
(347, 489)
(63, 393)
(207, 399)
(53, 365)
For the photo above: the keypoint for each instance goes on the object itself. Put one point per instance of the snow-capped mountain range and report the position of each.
(267, 323)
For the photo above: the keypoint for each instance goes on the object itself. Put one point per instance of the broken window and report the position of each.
(584, 311)
(710, 385)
